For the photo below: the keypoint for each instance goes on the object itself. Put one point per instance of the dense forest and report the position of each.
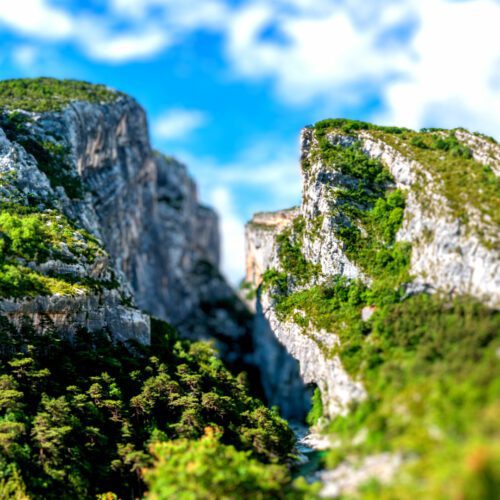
(91, 416)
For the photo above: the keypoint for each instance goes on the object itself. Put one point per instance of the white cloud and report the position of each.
(323, 52)
(36, 18)
(233, 239)
(178, 123)
(451, 81)
(105, 45)
(329, 50)
(328, 53)
(178, 14)
(25, 57)
(338, 53)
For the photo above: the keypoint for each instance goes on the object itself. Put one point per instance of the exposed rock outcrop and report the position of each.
(161, 244)
(453, 250)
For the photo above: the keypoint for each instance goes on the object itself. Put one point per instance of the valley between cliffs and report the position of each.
(370, 312)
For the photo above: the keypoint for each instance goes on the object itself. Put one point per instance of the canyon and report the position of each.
(355, 303)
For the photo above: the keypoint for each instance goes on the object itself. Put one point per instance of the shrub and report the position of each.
(316, 411)
(207, 469)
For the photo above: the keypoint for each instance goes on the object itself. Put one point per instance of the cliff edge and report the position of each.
(383, 288)
(118, 226)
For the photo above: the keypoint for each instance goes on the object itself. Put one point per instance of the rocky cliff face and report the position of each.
(450, 236)
(91, 163)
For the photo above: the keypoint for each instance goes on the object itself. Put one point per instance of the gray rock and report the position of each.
(447, 255)
(161, 244)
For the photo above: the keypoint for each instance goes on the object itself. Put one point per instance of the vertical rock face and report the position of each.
(259, 237)
(454, 242)
(142, 206)
(291, 361)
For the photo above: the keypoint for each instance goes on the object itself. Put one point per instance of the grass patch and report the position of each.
(27, 235)
(349, 126)
(20, 281)
(49, 94)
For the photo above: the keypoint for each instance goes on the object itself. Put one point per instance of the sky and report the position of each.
(228, 84)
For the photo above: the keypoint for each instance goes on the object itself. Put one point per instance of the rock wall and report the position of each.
(162, 244)
(449, 255)
(259, 238)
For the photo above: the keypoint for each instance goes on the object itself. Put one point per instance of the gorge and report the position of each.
(372, 308)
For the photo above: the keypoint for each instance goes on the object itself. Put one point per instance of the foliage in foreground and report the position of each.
(77, 419)
(208, 469)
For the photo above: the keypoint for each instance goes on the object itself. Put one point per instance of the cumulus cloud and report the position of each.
(178, 123)
(429, 62)
(317, 53)
(36, 18)
(451, 81)
(187, 14)
(104, 44)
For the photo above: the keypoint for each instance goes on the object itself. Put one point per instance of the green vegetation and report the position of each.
(430, 368)
(349, 126)
(369, 210)
(248, 290)
(27, 235)
(49, 94)
(316, 411)
(21, 281)
(77, 419)
(464, 182)
(428, 363)
(38, 236)
(52, 157)
(294, 266)
(208, 469)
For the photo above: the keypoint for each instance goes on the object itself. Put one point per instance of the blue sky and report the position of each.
(228, 84)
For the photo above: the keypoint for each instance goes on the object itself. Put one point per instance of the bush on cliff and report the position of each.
(50, 94)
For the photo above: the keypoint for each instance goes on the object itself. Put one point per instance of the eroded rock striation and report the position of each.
(389, 265)
(89, 163)
(453, 249)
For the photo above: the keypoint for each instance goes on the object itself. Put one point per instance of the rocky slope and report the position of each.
(79, 156)
(388, 218)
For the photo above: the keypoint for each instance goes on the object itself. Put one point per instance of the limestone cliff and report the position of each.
(450, 251)
(88, 160)
(388, 217)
